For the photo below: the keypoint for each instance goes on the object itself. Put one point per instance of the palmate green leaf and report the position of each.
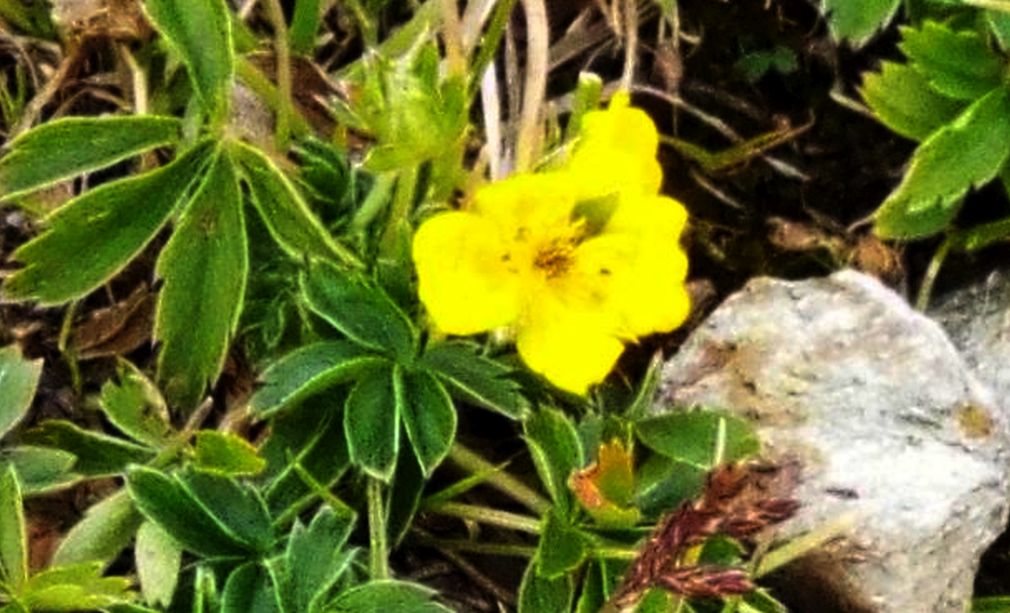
(166, 502)
(404, 498)
(966, 153)
(226, 454)
(557, 452)
(999, 25)
(372, 423)
(135, 406)
(902, 100)
(474, 378)
(100, 231)
(18, 380)
(238, 509)
(311, 440)
(428, 416)
(957, 64)
(315, 558)
(75, 588)
(286, 215)
(98, 455)
(308, 370)
(858, 20)
(13, 539)
(64, 148)
(41, 469)
(538, 594)
(701, 437)
(158, 558)
(251, 588)
(359, 309)
(388, 596)
(205, 266)
(200, 32)
(106, 530)
(562, 547)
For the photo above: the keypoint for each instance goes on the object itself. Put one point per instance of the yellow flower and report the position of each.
(575, 261)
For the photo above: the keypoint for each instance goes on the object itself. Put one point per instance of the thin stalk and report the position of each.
(537, 52)
(493, 549)
(452, 38)
(932, 272)
(487, 515)
(282, 56)
(378, 558)
(630, 43)
(499, 480)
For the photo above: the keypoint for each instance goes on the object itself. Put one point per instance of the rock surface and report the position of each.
(977, 319)
(893, 433)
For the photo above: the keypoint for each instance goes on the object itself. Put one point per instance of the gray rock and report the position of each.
(977, 319)
(892, 431)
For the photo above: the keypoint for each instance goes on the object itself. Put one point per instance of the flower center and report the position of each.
(555, 257)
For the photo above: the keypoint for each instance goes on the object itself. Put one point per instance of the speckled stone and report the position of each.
(896, 437)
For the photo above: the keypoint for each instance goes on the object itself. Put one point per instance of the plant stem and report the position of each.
(254, 78)
(487, 515)
(492, 549)
(378, 562)
(932, 272)
(501, 481)
(282, 59)
(535, 87)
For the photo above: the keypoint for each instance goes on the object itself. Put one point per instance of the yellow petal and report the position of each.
(567, 345)
(617, 153)
(464, 275)
(527, 206)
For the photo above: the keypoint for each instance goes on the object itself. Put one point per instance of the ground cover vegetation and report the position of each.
(361, 305)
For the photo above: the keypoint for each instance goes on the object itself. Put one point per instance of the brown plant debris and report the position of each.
(739, 501)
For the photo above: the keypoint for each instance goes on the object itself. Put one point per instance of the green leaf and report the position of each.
(308, 15)
(387, 596)
(858, 20)
(135, 406)
(363, 312)
(999, 25)
(206, 598)
(64, 148)
(556, 450)
(956, 64)
(18, 379)
(991, 604)
(309, 370)
(250, 589)
(100, 231)
(98, 455)
(476, 379)
(41, 469)
(315, 558)
(539, 595)
(238, 509)
(288, 218)
(404, 498)
(322, 454)
(657, 601)
(106, 530)
(75, 588)
(662, 484)
(428, 416)
(227, 454)
(702, 438)
(902, 100)
(13, 539)
(967, 153)
(158, 558)
(166, 502)
(200, 32)
(205, 266)
(562, 547)
(372, 424)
